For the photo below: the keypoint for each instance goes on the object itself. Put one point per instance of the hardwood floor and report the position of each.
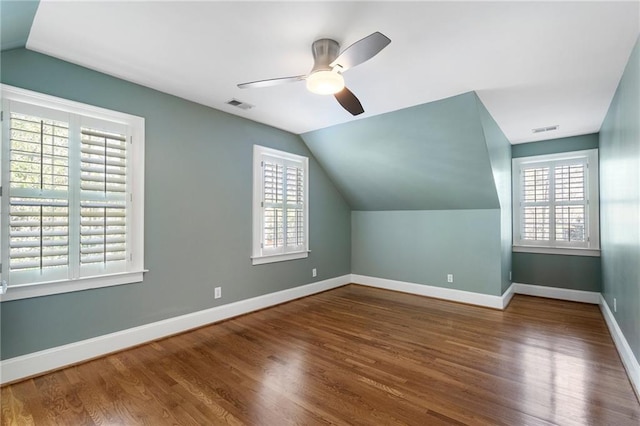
(353, 355)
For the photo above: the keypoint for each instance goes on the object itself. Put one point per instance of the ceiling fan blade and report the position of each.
(272, 82)
(361, 51)
(349, 101)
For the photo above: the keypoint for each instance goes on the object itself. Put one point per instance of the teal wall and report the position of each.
(499, 149)
(422, 247)
(553, 146)
(197, 213)
(426, 160)
(16, 18)
(552, 270)
(620, 202)
(572, 272)
(428, 157)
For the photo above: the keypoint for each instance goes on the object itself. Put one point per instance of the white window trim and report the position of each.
(257, 257)
(593, 205)
(135, 269)
(25, 291)
(573, 251)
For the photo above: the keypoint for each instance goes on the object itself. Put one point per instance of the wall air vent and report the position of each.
(239, 104)
(545, 129)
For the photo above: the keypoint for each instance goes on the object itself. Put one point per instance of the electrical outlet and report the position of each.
(314, 272)
(449, 278)
(510, 276)
(217, 293)
(615, 305)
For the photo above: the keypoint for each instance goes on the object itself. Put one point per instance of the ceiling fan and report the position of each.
(325, 78)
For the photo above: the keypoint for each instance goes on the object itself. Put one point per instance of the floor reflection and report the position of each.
(553, 380)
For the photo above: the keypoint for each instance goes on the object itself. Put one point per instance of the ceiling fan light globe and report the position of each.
(325, 82)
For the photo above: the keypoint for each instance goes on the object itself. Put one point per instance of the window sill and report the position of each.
(566, 251)
(279, 257)
(25, 291)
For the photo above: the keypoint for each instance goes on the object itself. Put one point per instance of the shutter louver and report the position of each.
(283, 206)
(569, 182)
(536, 185)
(536, 223)
(103, 205)
(295, 200)
(38, 193)
(535, 190)
(570, 224)
(570, 202)
(39, 233)
(273, 232)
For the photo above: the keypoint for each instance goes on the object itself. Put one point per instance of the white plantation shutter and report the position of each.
(280, 205)
(295, 222)
(570, 202)
(72, 196)
(272, 205)
(535, 190)
(283, 206)
(38, 237)
(103, 201)
(552, 200)
(536, 223)
(38, 233)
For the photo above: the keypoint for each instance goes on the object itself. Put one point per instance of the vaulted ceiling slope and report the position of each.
(533, 64)
(428, 157)
(15, 24)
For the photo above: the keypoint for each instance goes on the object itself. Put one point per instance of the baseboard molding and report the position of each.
(454, 295)
(501, 302)
(629, 360)
(507, 296)
(29, 365)
(40, 362)
(557, 293)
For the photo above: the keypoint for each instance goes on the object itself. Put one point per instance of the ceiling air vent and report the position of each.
(545, 129)
(238, 104)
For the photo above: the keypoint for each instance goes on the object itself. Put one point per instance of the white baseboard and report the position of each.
(35, 363)
(592, 297)
(500, 302)
(454, 295)
(629, 360)
(507, 296)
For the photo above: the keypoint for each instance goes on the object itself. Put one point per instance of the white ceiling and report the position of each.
(532, 64)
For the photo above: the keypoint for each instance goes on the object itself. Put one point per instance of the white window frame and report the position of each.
(592, 217)
(260, 256)
(77, 114)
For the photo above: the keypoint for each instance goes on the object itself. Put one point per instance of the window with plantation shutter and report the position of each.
(280, 206)
(556, 202)
(72, 188)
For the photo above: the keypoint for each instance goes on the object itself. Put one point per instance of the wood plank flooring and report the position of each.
(353, 355)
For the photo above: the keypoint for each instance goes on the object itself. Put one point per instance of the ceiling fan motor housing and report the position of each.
(325, 51)
(326, 77)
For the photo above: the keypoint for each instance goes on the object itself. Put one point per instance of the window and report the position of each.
(72, 196)
(555, 203)
(280, 206)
